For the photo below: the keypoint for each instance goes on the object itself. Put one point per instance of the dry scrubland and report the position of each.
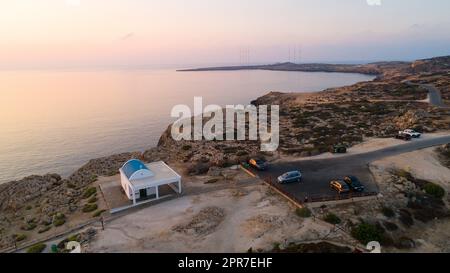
(41, 206)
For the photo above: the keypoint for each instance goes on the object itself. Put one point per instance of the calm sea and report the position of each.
(55, 121)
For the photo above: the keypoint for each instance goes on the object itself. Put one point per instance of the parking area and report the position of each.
(317, 175)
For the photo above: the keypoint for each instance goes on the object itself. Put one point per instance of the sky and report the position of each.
(69, 33)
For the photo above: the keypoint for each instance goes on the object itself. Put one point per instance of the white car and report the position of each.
(411, 133)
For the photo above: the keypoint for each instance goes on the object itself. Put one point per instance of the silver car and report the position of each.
(290, 177)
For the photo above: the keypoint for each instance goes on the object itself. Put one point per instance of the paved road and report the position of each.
(318, 173)
(434, 95)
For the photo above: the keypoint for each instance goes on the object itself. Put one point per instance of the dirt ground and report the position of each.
(231, 220)
(253, 216)
(423, 164)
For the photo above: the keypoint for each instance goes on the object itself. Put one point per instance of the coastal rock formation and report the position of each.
(15, 194)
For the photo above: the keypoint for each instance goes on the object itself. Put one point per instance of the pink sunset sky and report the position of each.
(65, 33)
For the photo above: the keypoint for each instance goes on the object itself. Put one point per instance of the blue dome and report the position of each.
(132, 166)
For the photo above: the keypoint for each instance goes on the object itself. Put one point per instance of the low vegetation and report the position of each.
(332, 219)
(90, 207)
(19, 237)
(388, 212)
(322, 247)
(303, 212)
(98, 213)
(366, 233)
(89, 192)
(38, 248)
(59, 219)
(434, 190)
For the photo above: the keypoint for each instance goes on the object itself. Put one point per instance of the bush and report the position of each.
(98, 213)
(390, 226)
(186, 147)
(366, 233)
(388, 212)
(59, 222)
(303, 212)
(434, 190)
(406, 218)
(19, 237)
(89, 192)
(89, 207)
(332, 219)
(38, 248)
(198, 168)
(29, 226)
(73, 238)
(404, 174)
(44, 229)
(93, 199)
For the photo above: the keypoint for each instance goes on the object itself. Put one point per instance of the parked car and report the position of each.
(354, 183)
(339, 186)
(259, 164)
(402, 136)
(338, 149)
(290, 177)
(412, 133)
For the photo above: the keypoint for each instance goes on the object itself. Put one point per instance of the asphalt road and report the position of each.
(434, 95)
(319, 172)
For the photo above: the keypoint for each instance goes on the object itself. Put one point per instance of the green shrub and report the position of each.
(404, 174)
(434, 190)
(28, 207)
(303, 212)
(276, 247)
(19, 237)
(93, 199)
(29, 226)
(73, 238)
(44, 229)
(89, 207)
(59, 222)
(38, 248)
(332, 219)
(98, 213)
(89, 192)
(366, 233)
(388, 212)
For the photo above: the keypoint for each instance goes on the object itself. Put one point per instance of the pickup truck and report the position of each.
(410, 132)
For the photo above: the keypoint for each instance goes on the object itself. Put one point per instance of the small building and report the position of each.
(142, 181)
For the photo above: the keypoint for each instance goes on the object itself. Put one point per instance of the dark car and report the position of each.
(259, 164)
(339, 186)
(354, 183)
(404, 137)
(290, 177)
(338, 149)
